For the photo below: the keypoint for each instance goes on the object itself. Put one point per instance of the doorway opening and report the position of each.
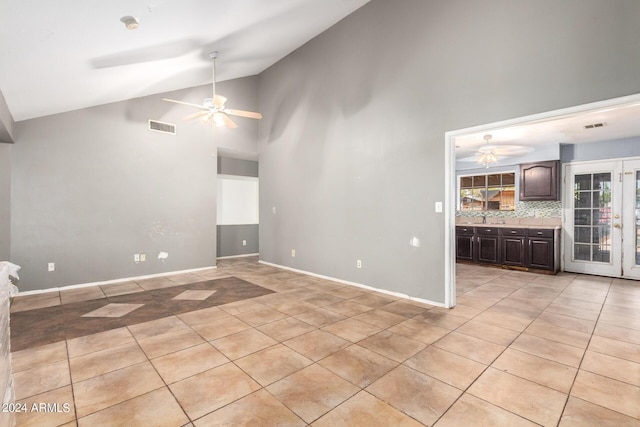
(544, 125)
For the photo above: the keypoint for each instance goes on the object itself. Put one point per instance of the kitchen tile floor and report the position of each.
(250, 344)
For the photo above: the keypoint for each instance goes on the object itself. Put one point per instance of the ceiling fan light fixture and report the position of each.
(213, 108)
(130, 22)
(487, 156)
(218, 120)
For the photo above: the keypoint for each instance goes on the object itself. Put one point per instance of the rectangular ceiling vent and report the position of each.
(163, 127)
(595, 125)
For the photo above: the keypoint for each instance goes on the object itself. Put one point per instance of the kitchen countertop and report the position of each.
(497, 225)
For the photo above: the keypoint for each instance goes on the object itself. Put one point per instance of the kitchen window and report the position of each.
(488, 192)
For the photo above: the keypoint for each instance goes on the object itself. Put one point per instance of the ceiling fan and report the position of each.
(214, 109)
(488, 154)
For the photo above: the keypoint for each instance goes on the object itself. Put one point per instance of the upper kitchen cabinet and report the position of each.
(539, 181)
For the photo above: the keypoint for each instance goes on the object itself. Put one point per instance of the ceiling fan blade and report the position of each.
(202, 107)
(219, 100)
(195, 115)
(227, 121)
(241, 113)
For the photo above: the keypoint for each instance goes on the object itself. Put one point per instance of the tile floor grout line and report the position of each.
(149, 360)
(466, 390)
(523, 331)
(117, 403)
(158, 373)
(237, 366)
(582, 359)
(490, 365)
(578, 368)
(73, 394)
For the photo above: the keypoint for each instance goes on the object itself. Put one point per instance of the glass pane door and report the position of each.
(636, 218)
(591, 231)
(592, 217)
(631, 220)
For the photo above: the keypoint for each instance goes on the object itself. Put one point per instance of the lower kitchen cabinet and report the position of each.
(513, 251)
(524, 248)
(541, 249)
(465, 244)
(513, 246)
(488, 244)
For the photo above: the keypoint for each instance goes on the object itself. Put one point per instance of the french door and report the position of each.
(602, 218)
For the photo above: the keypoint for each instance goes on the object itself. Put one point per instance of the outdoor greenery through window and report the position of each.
(490, 192)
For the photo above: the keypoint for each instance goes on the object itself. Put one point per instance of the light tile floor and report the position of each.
(519, 349)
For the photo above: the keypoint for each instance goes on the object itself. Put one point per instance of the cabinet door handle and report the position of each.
(513, 232)
(539, 233)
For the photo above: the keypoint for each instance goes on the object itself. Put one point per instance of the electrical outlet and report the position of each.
(359, 263)
(244, 243)
(136, 257)
(51, 266)
(293, 253)
(143, 257)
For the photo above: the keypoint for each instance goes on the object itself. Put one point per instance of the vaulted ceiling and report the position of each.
(64, 55)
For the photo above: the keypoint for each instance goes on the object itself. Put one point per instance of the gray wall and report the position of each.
(230, 237)
(6, 122)
(93, 187)
(240, 167)
(619, 148)
(352, 144)
(5, 202)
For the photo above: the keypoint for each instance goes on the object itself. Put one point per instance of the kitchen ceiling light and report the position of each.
(130, 22)
(487, 156)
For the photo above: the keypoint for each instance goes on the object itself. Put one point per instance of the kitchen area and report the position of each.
(493, 229)
(560, 194)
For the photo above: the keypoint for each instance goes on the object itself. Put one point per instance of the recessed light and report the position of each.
(130, 22)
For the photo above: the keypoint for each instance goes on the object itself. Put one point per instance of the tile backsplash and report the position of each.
(534, 212)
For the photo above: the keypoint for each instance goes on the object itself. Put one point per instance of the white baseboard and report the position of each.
(110, 282)
(237, 256)
(358, 285)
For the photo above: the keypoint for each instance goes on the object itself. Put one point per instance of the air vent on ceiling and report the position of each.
(595, 125)
(163, 127)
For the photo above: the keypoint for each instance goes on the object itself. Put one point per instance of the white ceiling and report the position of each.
(64, 55)
(620, 121)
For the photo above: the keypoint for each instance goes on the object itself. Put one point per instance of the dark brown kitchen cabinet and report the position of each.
(488, 243)
(524, 248)
(539, 181)
(465, 243)
(541, 249)
(513, 246)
